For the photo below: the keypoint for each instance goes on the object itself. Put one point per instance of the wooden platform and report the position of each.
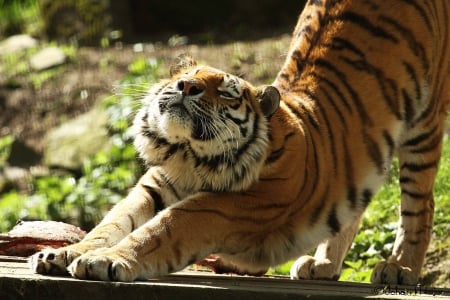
(18, 282)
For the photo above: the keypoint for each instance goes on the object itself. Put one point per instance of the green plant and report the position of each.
(19, 17)
(17, 72)
(5, 149)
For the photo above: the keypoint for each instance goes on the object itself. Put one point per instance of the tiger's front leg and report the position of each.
(182, 234)
(136, 209)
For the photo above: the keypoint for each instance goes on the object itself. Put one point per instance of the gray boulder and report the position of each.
(70, 144)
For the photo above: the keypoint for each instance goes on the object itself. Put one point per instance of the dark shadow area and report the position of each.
(202, 21)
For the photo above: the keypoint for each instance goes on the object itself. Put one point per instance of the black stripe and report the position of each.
(406, 179)
(330, 135)
(333, 221)
(431, 146)
(173, 148)
(364, 23)
(342, 118)
(414, 141)
(406, 213)
(412, 242)
(300, 63)
(413, 76)
(349, 177)
(277, 154)
(339, 43)
(366, 197)
(351, 195)
(362, 113)
(421, 12)
(408, 36)
(387, 86)
(414, 167)
(416, 195)
(408, 106)
(390, 142)
(156, 196)
(159, 141)
(328, 97)
(374, 151)
(239, 121)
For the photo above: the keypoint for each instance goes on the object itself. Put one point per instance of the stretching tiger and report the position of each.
(259, 175)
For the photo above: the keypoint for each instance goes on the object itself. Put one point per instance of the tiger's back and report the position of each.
(374, 76)
(234, 175)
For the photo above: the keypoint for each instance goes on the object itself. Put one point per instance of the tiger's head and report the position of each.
(210, 124)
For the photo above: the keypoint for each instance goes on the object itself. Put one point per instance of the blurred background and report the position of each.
(71, 76)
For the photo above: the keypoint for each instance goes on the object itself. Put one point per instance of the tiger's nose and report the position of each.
(190, 87)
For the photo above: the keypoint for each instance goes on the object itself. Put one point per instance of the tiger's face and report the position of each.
(203, 104)
(215, 120)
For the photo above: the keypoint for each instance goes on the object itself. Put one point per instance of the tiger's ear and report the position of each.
(182, 62)
(269, 99)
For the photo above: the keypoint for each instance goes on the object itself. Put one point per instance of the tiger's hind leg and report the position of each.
(418, 159)
(328, 258)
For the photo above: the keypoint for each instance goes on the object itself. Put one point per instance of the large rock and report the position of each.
(47, 58)
(16, 43)
(68, 145)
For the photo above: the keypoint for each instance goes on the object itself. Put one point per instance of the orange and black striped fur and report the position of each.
(257, 176)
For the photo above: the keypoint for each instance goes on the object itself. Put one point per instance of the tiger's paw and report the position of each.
(53, 261)
(307, 267)
(103, 264)
(393, 273)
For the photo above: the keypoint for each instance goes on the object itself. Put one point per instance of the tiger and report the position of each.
(241, 177)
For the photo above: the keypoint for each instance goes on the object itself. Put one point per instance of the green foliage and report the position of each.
(105, 178)
(5, 149)
(17, 72)
(21, 16)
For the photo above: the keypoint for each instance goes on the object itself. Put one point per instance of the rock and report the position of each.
(14, 178)
(68, 145)
(47, 58)
(17, 43)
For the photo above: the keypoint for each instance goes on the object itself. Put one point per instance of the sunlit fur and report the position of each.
(241, 187)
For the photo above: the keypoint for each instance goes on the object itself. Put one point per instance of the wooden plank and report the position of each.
(18, 282)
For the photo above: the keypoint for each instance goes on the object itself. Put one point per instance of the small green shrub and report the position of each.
(20, 17)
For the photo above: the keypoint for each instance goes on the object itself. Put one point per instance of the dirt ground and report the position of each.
(28, 113)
